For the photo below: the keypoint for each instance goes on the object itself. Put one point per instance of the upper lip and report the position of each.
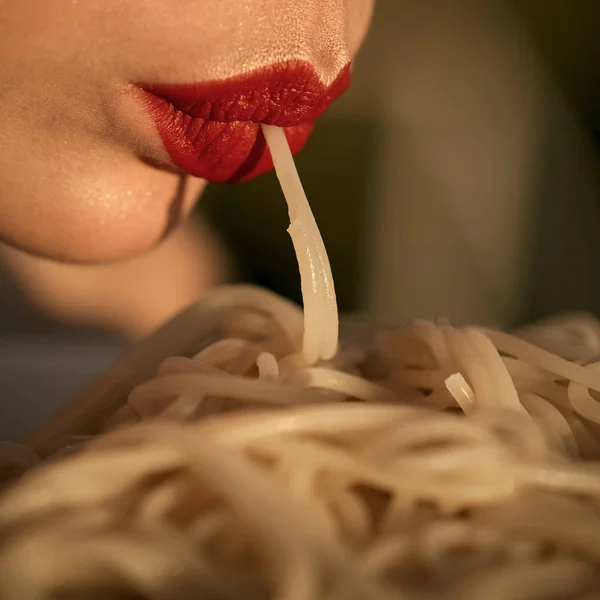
(283, 95)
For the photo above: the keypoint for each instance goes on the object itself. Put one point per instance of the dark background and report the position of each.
(337, 171)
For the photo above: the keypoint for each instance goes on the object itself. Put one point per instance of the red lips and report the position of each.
(212, 130)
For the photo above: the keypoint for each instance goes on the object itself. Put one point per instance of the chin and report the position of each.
(93, 236)
(93, 245)
(98, 224)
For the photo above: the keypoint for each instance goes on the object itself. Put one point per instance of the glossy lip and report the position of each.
(212, 130)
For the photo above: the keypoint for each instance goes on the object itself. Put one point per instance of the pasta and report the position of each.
(241, 470)
(318, 292)
(236, 454)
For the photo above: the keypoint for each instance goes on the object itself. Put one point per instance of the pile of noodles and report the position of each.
(243, 453)
(425, 462)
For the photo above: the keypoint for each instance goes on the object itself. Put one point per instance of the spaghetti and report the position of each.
(239, 453)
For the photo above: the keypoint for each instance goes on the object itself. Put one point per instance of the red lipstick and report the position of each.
(212, 130)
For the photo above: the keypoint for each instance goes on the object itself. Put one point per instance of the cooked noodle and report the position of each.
(318, 292)
(323, 481)
(225, 459)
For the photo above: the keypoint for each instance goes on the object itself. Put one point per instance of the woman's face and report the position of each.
(107, 106)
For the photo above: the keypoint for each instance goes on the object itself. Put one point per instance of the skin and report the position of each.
(172, 275)
(82, 175)
(76, 183)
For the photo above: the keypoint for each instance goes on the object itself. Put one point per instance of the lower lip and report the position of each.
(227, 151)
(219, 152)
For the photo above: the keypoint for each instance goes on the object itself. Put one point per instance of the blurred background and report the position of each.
(458, 177)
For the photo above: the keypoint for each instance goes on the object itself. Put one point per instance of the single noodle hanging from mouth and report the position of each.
(240, 453)
(321, 320)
